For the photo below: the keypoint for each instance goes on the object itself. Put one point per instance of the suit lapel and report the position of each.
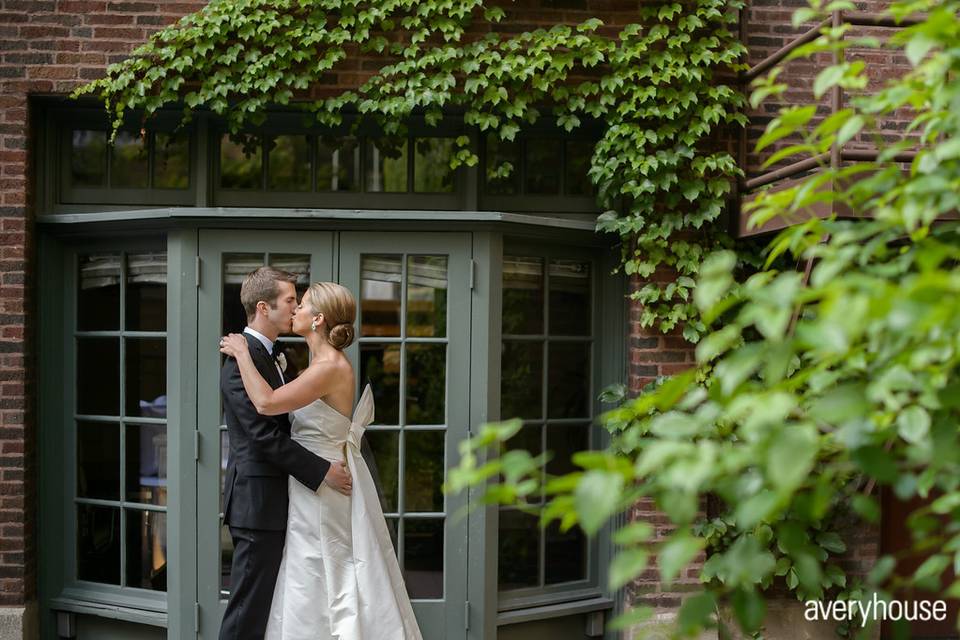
(264, 361)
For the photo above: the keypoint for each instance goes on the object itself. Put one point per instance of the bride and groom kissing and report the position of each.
(313, 558)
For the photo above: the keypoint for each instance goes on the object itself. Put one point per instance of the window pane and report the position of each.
(568, 380)
(171, 160)
(529, 439)
(387, 165)
(236, 266)
(427, 296)
(128, 159)
(88, 158)
(392, 529)
(289, 166)
(423, 477)
(241, 166)
(431, 165)
(98, 295)
(380, 279)
(147, 463)
(570, 300)
(98, 544)
(386, 451)
(521, 380)
(426, 383)
(338, 164)
(146, 291)
(224, 455)
(577, 178)
(500, 179)
(98, 376)
(566, 554)
(380, 366)
(147, 550)
(542, 167)
(98, 460)
(519, 557)
(423, 557)
(563, 441)
(522, 295)
(146, 377)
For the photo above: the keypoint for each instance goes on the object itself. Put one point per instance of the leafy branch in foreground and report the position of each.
(814, 395)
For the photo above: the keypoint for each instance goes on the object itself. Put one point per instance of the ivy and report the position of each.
(654, 86)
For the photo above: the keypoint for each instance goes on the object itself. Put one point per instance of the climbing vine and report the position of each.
(660, 88)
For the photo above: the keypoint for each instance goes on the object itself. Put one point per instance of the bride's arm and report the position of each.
(300, 392)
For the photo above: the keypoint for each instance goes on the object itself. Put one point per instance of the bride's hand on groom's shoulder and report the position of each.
(234, 345)
(338, 477)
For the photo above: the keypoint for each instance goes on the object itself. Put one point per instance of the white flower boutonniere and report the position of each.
(282, 360)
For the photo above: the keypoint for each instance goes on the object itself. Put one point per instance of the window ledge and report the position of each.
(553, 611)
(114, 612)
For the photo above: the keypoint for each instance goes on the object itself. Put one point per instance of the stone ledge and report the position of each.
(19, 623)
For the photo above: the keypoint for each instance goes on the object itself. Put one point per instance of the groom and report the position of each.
(262, 456)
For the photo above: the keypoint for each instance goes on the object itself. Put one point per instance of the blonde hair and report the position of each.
(339, 309)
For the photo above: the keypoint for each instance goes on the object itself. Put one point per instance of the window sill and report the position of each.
(114, 612)
(560, 610)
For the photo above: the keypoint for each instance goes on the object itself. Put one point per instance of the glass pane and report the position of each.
(566, 555)
(380, 367)
(423, 476)
(500, 180)
(98, 376)
(386, 451)
(128, 160)
(171, 160)
(431, 165)
(427, 296)
(241, 165)
(224, 455)
(146, 377)
(88, 158)
(521, 380)
(289, 166)
(338, 164)
(577, 179)
(519, 557)
(423, 557)
(522, 295)
(226, 560)
(387, 165)
(297, 355)
(392, 529)
(568, 380)
(380, 280)
(98, 544)
(542, 167)
(146, 291)
(426, 383)
(98, 295)
(529, 439)
(563, 441)
(147, 463)
(147, 550)
(570, 300)
(98, 460)
(236, 266)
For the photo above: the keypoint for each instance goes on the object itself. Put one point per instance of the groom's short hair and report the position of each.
(262, 284)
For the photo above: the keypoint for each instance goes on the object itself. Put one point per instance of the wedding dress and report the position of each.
(339, 578)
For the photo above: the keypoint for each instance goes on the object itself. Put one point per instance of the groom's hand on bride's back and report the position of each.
(338, 477)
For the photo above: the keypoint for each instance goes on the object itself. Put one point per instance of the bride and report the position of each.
(339, 577)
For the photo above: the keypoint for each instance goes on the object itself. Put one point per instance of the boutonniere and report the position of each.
(282, 361)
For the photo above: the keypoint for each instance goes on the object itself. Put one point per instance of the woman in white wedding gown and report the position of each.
(339, 578)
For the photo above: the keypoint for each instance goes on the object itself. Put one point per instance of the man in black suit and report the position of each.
(262, 457)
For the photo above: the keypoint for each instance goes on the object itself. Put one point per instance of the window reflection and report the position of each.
(502, 180)
(98, 376)
(338, 164)
(146, 295)
(146, 377)
(542, 166)
(431, 165)
(128, 161)
(171, 160)
(423, 477)
(98, 460)
(387, 165)
(289, 163)
(518, 561)
(241, 162)
(98, 544)
(427, 296)
(423, 557)
(386, 453)
(98, 295)
(426, 384)
(380, 366)
(380, 286)
(146, 458)
(577, 175)
(570, 300)
(521, 380)
(522, 295)
(147, 550)
(88, 158)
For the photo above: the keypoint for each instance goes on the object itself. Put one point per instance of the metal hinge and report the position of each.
(466, 615)
(196, 617)
(473, 273)
(196, 446)
(198, 272)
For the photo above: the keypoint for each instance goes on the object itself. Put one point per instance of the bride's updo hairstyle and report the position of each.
(339, 309)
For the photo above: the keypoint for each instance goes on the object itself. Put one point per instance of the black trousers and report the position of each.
(256, 563)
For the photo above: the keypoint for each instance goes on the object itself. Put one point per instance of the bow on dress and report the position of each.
(362, 417)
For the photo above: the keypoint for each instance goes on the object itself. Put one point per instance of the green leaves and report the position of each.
(596, 498)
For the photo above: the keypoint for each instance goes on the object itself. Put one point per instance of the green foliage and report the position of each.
(654, 85)
(809, 396)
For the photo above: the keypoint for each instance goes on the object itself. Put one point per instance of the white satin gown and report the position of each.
(339, 578)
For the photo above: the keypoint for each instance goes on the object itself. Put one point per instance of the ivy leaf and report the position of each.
(596, 498)
(676, 553)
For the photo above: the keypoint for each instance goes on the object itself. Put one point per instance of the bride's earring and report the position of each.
(313, 326)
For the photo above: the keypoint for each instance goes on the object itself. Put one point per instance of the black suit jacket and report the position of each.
(262, 454)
